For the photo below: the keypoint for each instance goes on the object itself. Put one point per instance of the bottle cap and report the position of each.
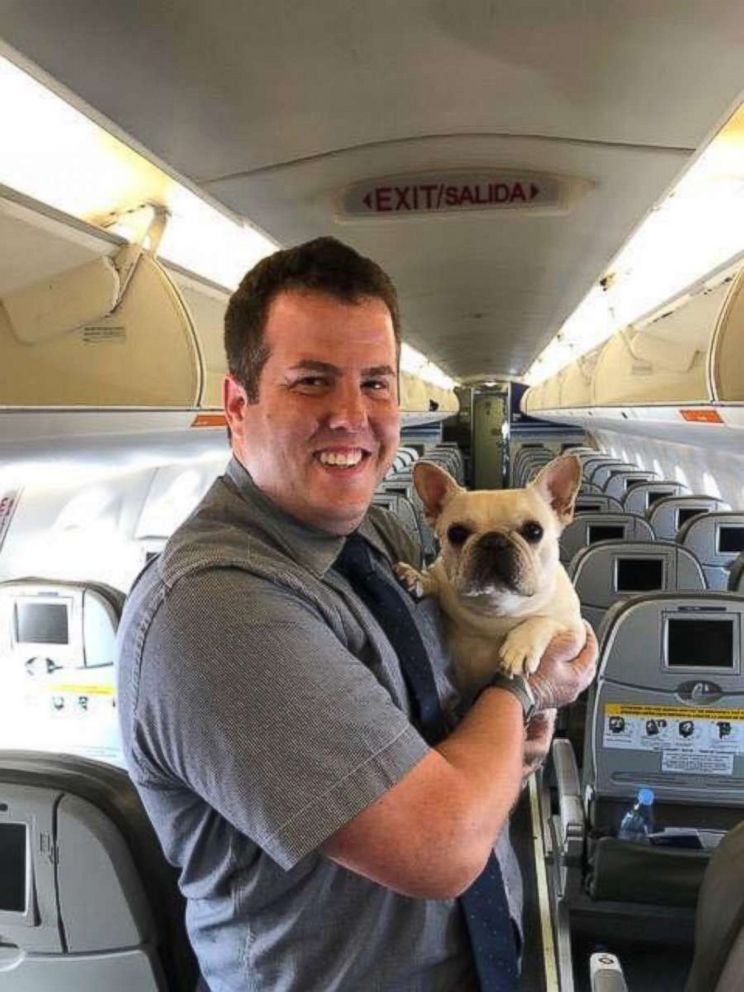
(646, 797)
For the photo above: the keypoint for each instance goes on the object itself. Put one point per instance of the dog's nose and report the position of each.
(494, 541)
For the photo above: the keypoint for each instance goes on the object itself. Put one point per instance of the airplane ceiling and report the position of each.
(275, 106)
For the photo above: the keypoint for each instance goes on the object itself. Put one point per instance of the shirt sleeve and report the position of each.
(248, 697)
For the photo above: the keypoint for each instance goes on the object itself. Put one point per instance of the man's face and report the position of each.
(325, 428)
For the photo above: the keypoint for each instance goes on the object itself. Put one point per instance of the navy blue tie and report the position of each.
(484, 904)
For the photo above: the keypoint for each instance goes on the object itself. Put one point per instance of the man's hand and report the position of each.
(537, 742)
(566, 669)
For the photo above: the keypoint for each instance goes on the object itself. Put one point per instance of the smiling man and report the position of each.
(330, 823)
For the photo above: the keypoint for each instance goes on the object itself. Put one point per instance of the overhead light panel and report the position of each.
(56, 155)
(697, 229)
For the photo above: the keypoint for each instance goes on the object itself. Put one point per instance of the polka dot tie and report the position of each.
(484, 904)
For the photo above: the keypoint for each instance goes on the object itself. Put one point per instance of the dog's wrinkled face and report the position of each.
(499, 548)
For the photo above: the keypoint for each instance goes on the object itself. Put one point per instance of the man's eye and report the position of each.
(376, 385)
(311, 382)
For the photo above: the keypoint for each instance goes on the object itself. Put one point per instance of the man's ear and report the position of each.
(558, 484)
(435, 487)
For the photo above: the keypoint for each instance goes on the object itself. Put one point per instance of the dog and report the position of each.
(501, 588)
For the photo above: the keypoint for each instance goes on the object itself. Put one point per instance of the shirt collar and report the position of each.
(311, 547)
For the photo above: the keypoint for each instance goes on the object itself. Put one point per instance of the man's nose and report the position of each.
(348, 408)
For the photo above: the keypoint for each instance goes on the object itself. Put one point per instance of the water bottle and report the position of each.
(638, 822)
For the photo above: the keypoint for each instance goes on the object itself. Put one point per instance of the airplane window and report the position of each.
(604, 532)
(730, 539)
(700, 643)
(13, 867)
(41, 623)
(687, 514)
(639, 574)
(710, 486)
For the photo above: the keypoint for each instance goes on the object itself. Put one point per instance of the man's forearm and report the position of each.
(486, 752)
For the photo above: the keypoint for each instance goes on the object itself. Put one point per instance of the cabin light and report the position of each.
(698, 228)
(53, 153)
(413, 362)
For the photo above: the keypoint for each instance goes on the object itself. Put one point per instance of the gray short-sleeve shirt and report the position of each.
(262, 708)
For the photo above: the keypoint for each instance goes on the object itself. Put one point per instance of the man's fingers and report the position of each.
(566, 646)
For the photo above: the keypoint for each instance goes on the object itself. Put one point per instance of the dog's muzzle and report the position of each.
(496, 560)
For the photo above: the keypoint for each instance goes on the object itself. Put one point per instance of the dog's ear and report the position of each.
(558, 484)
(435, 487)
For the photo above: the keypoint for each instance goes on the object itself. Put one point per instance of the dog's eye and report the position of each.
(532, 531)
(457, 534)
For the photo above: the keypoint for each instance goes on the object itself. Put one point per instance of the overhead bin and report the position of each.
(692, 353)
(121, 333)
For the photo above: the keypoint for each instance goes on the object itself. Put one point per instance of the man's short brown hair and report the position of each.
(323, 265)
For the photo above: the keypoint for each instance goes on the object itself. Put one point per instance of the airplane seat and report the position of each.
(601, 472)
(528, 451)
(641, 496)
(589, 489)
(88, 900)
(736, 576)
(665, 713)
(609, 571)
(668, 515)
(589, 528)
(621, 481)
(57, 643)
(529, 467)
(717, 539)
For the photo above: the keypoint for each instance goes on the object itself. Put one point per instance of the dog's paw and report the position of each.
(412, 579)
(520, 653)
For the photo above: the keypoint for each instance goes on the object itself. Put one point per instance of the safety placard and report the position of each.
(696, 740)
(447, 191)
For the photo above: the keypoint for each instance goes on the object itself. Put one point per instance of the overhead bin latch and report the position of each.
(89, 292)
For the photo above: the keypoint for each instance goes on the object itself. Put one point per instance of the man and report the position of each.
(266, 717)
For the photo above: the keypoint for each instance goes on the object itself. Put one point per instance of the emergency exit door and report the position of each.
(490, 424)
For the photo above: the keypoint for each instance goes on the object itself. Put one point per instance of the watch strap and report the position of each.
(519, 687)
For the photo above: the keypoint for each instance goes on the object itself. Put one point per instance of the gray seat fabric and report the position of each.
(718, 965)
(717, 539)
(602, 472)
(669, 515)
(641, 496)
(736, 576)
(103, 913)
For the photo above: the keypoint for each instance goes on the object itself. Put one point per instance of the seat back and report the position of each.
(717, 539)
(669, 515)
(87, 901)
(719, 925)
(529, 465)
(601, 473)
(642, 495)
(667, 709)
(57, 655)
(736, 576)
(620, 482)
(607, 572)
(590, 528)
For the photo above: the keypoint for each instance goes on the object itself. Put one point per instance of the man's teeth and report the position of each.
(340, 457)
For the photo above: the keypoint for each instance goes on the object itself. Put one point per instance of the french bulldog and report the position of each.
(500, 585)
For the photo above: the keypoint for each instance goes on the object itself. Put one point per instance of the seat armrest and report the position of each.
(569, 801)
(606, 973)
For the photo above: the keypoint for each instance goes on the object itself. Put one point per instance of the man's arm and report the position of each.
(429, 836)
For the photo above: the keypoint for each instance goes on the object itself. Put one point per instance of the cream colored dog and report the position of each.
(500, 585)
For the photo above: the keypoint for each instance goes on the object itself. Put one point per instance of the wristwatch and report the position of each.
(518, 686)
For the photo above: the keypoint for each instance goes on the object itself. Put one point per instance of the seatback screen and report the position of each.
(41, 623)
(639, 574)
(654, 496)
(606, 532)
(13, 867)
(730, 539)
(700, 643)
(632, 483)
(582, 507)
(688, 513)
